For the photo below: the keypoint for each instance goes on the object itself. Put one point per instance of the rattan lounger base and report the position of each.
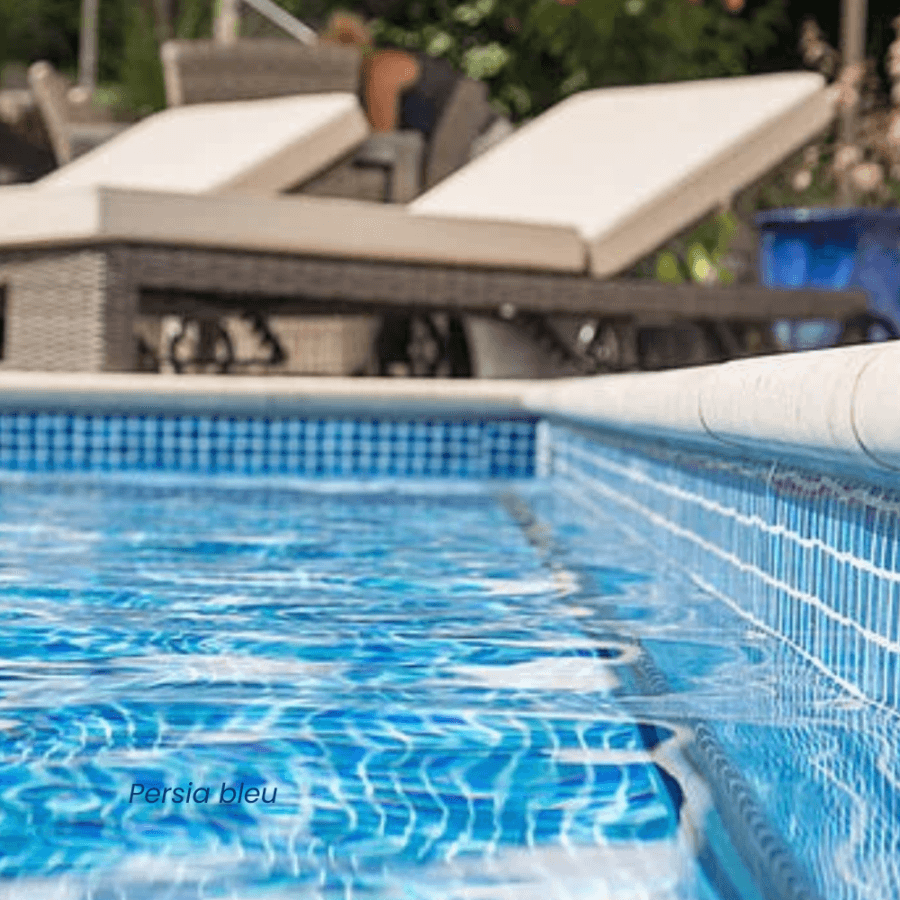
(75, 308)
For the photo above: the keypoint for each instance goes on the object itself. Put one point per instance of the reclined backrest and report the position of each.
(204, 71)
(251, 146)
(630, 167)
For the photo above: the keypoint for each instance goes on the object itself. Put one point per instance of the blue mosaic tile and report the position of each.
(812, 558)
(327, 447)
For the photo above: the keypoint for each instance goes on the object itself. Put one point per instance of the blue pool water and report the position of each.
(487, 691)
(403, 674)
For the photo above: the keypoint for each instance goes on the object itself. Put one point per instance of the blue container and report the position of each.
(836, 249)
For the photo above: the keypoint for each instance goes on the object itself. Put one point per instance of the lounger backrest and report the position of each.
(204, 71)
(253, 146)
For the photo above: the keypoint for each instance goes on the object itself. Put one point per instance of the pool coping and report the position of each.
(836, 406)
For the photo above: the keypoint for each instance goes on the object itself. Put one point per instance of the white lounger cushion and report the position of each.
(629, 167)
(310, 226)
(253, 146)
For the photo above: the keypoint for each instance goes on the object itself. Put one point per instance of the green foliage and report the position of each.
(140, 73)
(856, 168)
(129, 51)
(195, 19)
(701, 256)
(669, 268)
(533, 53)
(48, 29)
(39, 29)
(781, 187)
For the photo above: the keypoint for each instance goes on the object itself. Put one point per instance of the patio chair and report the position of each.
(78, 266)
(394, 167)
(208, 71)
(74, 124)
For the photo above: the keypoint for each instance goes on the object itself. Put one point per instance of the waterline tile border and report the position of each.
(324, 447)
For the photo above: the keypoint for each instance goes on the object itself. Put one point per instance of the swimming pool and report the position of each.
(449, 646)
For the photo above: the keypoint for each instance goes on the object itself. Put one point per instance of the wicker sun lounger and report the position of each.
(630, 167)
(78, 267)
(260, 146)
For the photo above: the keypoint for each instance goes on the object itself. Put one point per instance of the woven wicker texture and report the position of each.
(55, 308)
(326, 345)
(253, 69)
(77, 309)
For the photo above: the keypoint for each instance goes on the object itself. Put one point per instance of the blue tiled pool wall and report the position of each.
(810, 560)
(341, 447)
(813, 559)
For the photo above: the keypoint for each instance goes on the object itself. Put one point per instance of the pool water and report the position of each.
(479, 693)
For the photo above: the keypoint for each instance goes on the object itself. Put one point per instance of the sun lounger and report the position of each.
(260, 146)
(96, 257)
(79, 266)
(630, 167)
(253, 146)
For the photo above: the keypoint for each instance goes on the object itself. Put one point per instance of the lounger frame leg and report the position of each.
(68, 310)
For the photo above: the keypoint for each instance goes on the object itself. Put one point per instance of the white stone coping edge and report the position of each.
(840, 406)
(148, 394)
